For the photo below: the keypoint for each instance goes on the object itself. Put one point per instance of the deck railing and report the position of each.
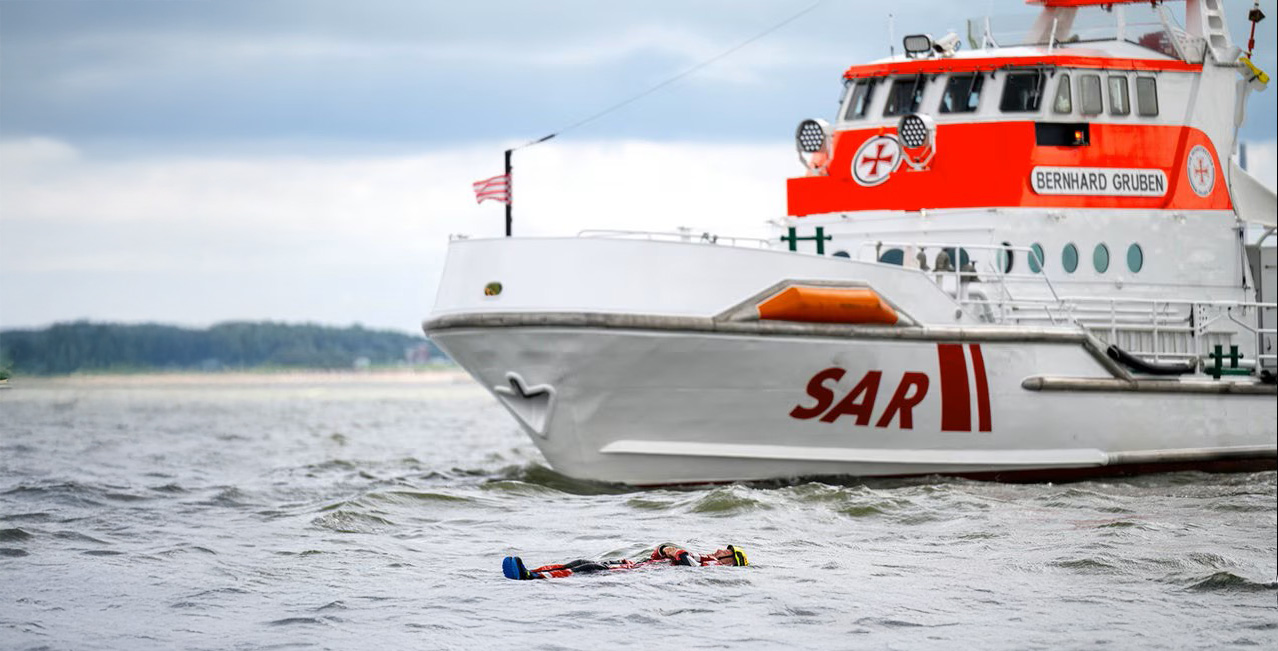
(968, 283)
(1152, 328)
(681, 235)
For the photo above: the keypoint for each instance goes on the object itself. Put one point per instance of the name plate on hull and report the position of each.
(1103, 181)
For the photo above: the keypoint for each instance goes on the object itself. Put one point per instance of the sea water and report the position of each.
(373, 511)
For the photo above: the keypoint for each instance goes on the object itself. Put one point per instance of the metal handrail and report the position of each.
(1159, 317)
(678, 236)
(961, 277)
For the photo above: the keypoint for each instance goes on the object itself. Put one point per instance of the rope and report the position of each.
(671, 80)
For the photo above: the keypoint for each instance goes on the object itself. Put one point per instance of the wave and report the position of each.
(345, 521)
(1230, 582)
(727, 501)
(294, 621)
(67, 493)
(535, 474)
(416, 497)
(14, 535)
(1089, 566)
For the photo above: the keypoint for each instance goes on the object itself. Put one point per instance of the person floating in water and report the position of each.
(664, 554)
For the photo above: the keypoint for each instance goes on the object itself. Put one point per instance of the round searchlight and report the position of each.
(914, 131)
(810, 136)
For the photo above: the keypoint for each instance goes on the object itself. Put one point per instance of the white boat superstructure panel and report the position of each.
(628, 276)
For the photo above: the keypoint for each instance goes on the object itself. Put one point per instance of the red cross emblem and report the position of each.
(1201, 170)
(878, 157)
(875, 160)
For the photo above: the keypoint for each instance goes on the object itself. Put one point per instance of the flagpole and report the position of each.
(510, 195)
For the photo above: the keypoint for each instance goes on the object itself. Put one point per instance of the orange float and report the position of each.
(828, 305)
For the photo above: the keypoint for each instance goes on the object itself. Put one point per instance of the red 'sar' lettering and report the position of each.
(816, 389)
(904, 401)
(859, 401)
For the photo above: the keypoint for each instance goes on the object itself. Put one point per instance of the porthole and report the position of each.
(1100, 258)
(893, 256)
(1069, 258)
(1036, 257)
(1006, 257)
(1135, 258)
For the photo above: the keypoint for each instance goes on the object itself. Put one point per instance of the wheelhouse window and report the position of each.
(1089, 95)
(905, 96)
(859, 98)
(962, 93)
(1119, 103)
(1064, 101)
(1022, 92)
(1146, 96)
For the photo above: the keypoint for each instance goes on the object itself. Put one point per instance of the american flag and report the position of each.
(497, 188)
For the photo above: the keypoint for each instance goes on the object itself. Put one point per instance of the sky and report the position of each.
(198, 161)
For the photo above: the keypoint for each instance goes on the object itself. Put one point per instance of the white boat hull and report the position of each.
(650, 396)
(627, 406)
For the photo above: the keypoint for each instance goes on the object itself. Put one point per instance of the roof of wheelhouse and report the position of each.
(1085, 3)
(1105, 53)
(1112, 55)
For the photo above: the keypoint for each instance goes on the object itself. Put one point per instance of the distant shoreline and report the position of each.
(85, 347)
(433, 376)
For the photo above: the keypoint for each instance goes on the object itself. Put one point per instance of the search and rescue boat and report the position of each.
(1030, 258)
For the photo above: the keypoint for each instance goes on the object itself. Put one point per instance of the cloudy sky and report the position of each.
(195, 161)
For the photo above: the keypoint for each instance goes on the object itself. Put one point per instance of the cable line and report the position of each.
(675, 78)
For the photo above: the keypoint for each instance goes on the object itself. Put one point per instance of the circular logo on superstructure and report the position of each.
(875, 161)
(1201, 170)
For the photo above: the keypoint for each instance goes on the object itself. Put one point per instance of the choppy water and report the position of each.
(373, 513)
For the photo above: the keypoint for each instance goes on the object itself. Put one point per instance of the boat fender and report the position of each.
(1150, 368)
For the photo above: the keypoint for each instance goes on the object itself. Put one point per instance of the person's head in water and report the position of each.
(730, 555)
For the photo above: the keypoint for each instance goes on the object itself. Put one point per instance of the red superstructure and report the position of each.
(1002, 173)
(1141, 120)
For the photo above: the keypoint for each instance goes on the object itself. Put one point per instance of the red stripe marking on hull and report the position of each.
(956, 401)
(982, 388)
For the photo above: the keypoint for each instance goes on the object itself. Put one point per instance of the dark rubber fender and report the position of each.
(1150, 368)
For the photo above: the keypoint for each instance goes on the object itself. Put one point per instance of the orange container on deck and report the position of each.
(828, 305)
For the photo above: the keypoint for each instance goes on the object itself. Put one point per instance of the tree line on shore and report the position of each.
(85, 346)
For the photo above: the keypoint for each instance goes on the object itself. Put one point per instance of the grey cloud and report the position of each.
(198, 71)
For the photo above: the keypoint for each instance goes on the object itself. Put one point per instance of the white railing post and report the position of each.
(1113, 322)
(1193, 333)
(1154, 317)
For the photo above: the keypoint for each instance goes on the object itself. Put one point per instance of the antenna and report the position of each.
(891, 36)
